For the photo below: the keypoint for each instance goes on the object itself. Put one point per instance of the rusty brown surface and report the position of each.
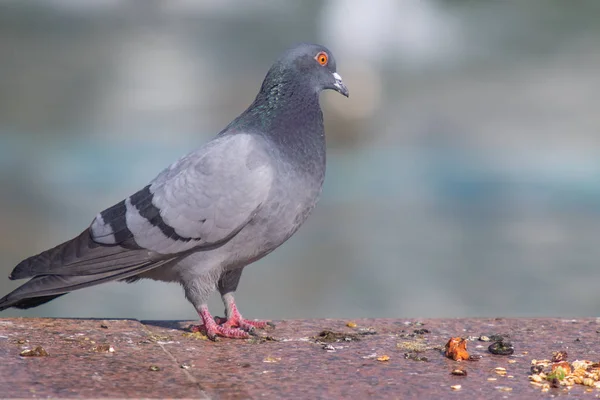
(157, 359)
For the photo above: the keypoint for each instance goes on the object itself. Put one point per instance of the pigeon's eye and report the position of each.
(322, 58)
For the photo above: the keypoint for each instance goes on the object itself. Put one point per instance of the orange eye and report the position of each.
(322, 58)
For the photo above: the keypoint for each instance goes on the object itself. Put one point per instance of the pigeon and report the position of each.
(214, 211)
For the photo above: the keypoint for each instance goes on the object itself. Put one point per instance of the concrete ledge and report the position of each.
(158, 359)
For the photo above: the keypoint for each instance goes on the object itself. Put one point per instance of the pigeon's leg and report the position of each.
(197, 292)
(227, 285)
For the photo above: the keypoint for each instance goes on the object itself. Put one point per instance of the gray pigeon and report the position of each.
(216, 210)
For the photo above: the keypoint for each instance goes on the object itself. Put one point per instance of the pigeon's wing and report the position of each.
(200, 202)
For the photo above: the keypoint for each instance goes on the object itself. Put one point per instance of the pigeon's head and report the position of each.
(309, 64)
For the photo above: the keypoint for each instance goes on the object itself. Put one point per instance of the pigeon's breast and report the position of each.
(293, 196)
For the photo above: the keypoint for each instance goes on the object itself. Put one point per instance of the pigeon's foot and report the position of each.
(217, 330)
(245, 324)
(211, 329)
(236, 320)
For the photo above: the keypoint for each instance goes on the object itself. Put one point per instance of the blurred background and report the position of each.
(463, 172)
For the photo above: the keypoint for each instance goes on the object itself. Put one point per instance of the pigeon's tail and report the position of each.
(76, 264)
(28, 303)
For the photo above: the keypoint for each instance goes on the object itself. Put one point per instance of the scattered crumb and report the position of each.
(367, 331)
(36, 352)
(455, 387)
(558, 372)
(415, 356)
(456, 349)
(459, 372)
(263, 339)
(272, 359)
(351, 324)
(195, 335)
(383, 358)
(418, 346)
(329, 348)
(154, 368)
(327, 336)
(558, 356)
(103, 348)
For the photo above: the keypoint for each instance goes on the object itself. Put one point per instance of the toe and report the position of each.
(233, 333)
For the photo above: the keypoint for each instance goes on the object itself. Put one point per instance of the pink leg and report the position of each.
(235, 319)
(212, 330)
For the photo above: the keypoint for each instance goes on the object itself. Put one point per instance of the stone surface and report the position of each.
(157, 359)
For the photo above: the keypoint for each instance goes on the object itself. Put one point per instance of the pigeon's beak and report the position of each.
(339, 85)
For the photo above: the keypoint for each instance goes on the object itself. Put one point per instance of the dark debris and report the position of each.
(328, 336)
(501, 348)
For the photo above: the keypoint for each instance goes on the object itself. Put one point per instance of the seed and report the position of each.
(459, 372)
(536, 369)
(455, 387)
(272, 359)
(536, 378)
(37, 352)
(558, 356)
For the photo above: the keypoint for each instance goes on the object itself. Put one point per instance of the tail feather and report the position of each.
(43, 288)
(34, 301)
(82, 256)
(77, 264)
